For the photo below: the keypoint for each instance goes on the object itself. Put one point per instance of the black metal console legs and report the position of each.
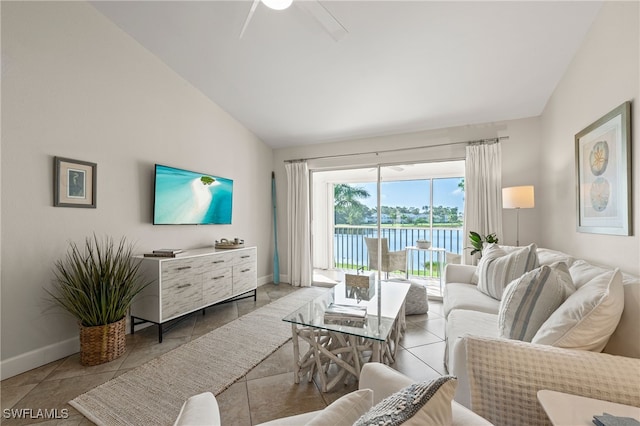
(165, 328)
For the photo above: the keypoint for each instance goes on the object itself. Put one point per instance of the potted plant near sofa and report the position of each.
(478, 241)
(96, 284)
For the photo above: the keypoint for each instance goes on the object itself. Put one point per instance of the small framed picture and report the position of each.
(75, 183)
(603, 174)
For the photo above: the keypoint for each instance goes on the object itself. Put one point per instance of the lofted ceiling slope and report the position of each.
(402, 66)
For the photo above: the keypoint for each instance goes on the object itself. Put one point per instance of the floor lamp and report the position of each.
(518, 197)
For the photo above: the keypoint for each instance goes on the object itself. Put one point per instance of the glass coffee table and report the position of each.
(348, 347)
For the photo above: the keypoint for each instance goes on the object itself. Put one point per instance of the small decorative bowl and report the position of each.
(423, 244)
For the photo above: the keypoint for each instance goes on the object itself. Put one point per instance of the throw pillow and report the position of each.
(582, 272)
(497, 269)
(531, 299)
(200, 409)
(345, 410)
(588, 317)
(420, 404)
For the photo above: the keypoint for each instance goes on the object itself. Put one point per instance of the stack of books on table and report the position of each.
(352, 315)
(164, 253)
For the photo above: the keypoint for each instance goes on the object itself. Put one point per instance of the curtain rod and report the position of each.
(474, 142)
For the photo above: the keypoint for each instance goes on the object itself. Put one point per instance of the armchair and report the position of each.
(505, 376)
(391, 261)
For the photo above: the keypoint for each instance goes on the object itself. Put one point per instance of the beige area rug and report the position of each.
(153, 393)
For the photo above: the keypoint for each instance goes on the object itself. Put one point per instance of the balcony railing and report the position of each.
(350, 250)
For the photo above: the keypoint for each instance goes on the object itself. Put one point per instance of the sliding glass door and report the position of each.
(418, 203)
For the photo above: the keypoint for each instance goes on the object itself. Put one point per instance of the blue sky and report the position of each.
(415, 193)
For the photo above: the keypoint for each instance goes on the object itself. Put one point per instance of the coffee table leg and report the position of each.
(375, 351)
(296, 353)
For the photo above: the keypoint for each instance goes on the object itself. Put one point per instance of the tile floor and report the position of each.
(266, 392)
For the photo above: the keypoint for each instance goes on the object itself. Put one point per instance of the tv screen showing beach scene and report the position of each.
(183, 197)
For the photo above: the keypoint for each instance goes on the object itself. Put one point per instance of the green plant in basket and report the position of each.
(96, 284)
(477, 241)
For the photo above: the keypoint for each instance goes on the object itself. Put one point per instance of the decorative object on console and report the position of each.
(518, 197)
(603, 174)
(97, 286)
(74, 183)
(229, 244)
(163, 253)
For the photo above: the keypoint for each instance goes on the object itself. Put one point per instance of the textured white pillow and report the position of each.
(547, 257)
(582, 272)
(529, 300)
(419, 404)
(497, 269)
(345, 410)
(200, 409)
(588, 317)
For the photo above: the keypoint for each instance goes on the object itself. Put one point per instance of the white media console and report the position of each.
(191, 281)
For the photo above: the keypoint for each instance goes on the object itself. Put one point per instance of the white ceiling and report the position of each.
(403, 66)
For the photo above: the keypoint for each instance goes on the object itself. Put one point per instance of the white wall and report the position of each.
(519, 164)
(74, 85)
(603, 74)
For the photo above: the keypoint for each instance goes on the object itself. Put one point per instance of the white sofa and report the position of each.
(498, 378)
(202, 409)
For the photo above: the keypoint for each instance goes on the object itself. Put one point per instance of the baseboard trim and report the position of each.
(269, 279)
(38, 357)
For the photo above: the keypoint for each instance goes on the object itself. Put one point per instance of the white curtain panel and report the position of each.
(483, 192)
(299, 237)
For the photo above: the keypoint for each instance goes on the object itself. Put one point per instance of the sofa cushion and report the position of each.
(459, 324)
(419, 404)
(625, 341)
(588, 317)
(467, 296)
(582, 272)
(548, 257)
(529, 300)
(497, 269)
(345, 410)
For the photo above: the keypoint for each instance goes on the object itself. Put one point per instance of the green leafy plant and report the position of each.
(477, 241)
(98, 283)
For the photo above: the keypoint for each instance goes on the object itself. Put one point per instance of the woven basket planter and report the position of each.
(102, 343)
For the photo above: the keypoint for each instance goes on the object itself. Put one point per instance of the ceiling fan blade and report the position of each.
(325, 18)
(254, 5)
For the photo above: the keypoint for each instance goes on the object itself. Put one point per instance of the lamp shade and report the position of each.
(277, 4)
(518, 197)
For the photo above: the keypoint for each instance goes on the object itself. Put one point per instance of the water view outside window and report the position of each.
(411, 210)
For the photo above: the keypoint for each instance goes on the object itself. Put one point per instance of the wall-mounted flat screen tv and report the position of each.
(183, 197)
